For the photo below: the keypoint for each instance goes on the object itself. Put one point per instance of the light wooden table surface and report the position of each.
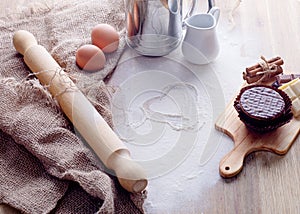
(268, 183)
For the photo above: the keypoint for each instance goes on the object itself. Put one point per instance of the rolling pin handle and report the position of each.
(23, 40)
(130, 174)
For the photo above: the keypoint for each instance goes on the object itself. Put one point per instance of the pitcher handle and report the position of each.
(215, 11)
(211, 4)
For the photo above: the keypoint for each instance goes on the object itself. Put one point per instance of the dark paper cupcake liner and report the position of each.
(262, 125)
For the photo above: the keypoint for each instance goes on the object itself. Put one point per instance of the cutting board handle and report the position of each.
(232, 163)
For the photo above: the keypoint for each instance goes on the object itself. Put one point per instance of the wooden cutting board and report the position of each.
(245, 141)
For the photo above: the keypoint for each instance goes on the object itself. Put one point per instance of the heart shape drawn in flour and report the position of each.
(177, 106)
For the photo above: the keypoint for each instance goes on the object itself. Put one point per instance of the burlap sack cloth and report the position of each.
(45, 167)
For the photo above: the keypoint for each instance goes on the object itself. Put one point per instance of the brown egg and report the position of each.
(105, 37)
(90, 58)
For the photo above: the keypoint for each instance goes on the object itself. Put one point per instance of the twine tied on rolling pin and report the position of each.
(85, 118)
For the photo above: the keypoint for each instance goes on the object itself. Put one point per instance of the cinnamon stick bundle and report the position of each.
(264, 71)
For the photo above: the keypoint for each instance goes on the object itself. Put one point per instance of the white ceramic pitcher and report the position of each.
(200, 44)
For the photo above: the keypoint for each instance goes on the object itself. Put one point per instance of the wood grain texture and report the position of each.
(268, 182)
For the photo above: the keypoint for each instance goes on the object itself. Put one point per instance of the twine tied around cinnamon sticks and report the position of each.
(264, 71)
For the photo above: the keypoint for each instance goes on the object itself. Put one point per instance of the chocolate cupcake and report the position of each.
(263, 108)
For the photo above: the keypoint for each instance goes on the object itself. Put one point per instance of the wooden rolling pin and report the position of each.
(90, 124)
